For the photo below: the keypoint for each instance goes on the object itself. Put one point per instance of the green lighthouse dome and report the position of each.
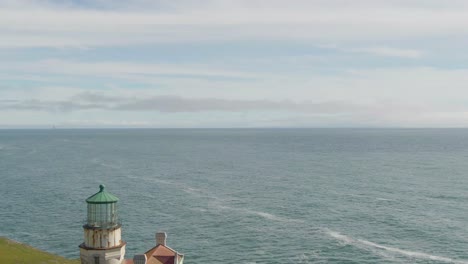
(102, 196)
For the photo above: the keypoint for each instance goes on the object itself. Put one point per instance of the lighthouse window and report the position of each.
(96, 259)
(102, 215)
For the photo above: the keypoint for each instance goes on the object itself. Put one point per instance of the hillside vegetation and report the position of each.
(12, 252)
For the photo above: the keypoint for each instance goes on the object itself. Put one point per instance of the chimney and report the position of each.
(161, 238)
(139, 259)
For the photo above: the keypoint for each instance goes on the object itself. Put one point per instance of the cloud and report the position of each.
(424, 92)
(409, 85)
(391, 52)
(93, 109)
(85, 110)
(174, 104)
(29, 25)
(123, 69)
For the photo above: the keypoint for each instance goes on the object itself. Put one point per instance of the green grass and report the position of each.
(12, 252)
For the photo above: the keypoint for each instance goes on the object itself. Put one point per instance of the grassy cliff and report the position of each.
(12, 252)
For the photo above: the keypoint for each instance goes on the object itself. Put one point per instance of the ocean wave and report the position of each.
(219, 203)
(32, 151)
(97, 161)
(272, 216)
(446, 197)
(265, 215)
(384, 199)
(371, 246)
(190, 190)
(6, 147)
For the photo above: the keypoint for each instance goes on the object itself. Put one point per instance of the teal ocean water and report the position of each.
(246, 195)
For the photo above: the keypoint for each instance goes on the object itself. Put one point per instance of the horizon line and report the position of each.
(162, 128)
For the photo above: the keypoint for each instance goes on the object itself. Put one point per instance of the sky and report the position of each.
(233, 63)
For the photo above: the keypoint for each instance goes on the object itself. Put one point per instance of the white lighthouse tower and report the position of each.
(103, 243)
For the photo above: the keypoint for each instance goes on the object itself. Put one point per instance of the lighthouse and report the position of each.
(103, 242)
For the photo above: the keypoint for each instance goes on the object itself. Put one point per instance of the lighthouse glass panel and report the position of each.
(102, 215)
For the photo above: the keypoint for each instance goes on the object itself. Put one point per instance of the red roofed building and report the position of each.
(160, 254)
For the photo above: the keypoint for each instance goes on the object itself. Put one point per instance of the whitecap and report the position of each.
(191, 190)
(110, 165)
(33, 151)
(303, 258)
(5, 147)
(384, 199)
(265, 215)
(98, 161)
(272, 216)
(371, 246)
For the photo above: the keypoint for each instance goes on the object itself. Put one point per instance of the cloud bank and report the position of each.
(82, 107)
(174, 104)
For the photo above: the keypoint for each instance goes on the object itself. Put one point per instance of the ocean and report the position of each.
(246, 195)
